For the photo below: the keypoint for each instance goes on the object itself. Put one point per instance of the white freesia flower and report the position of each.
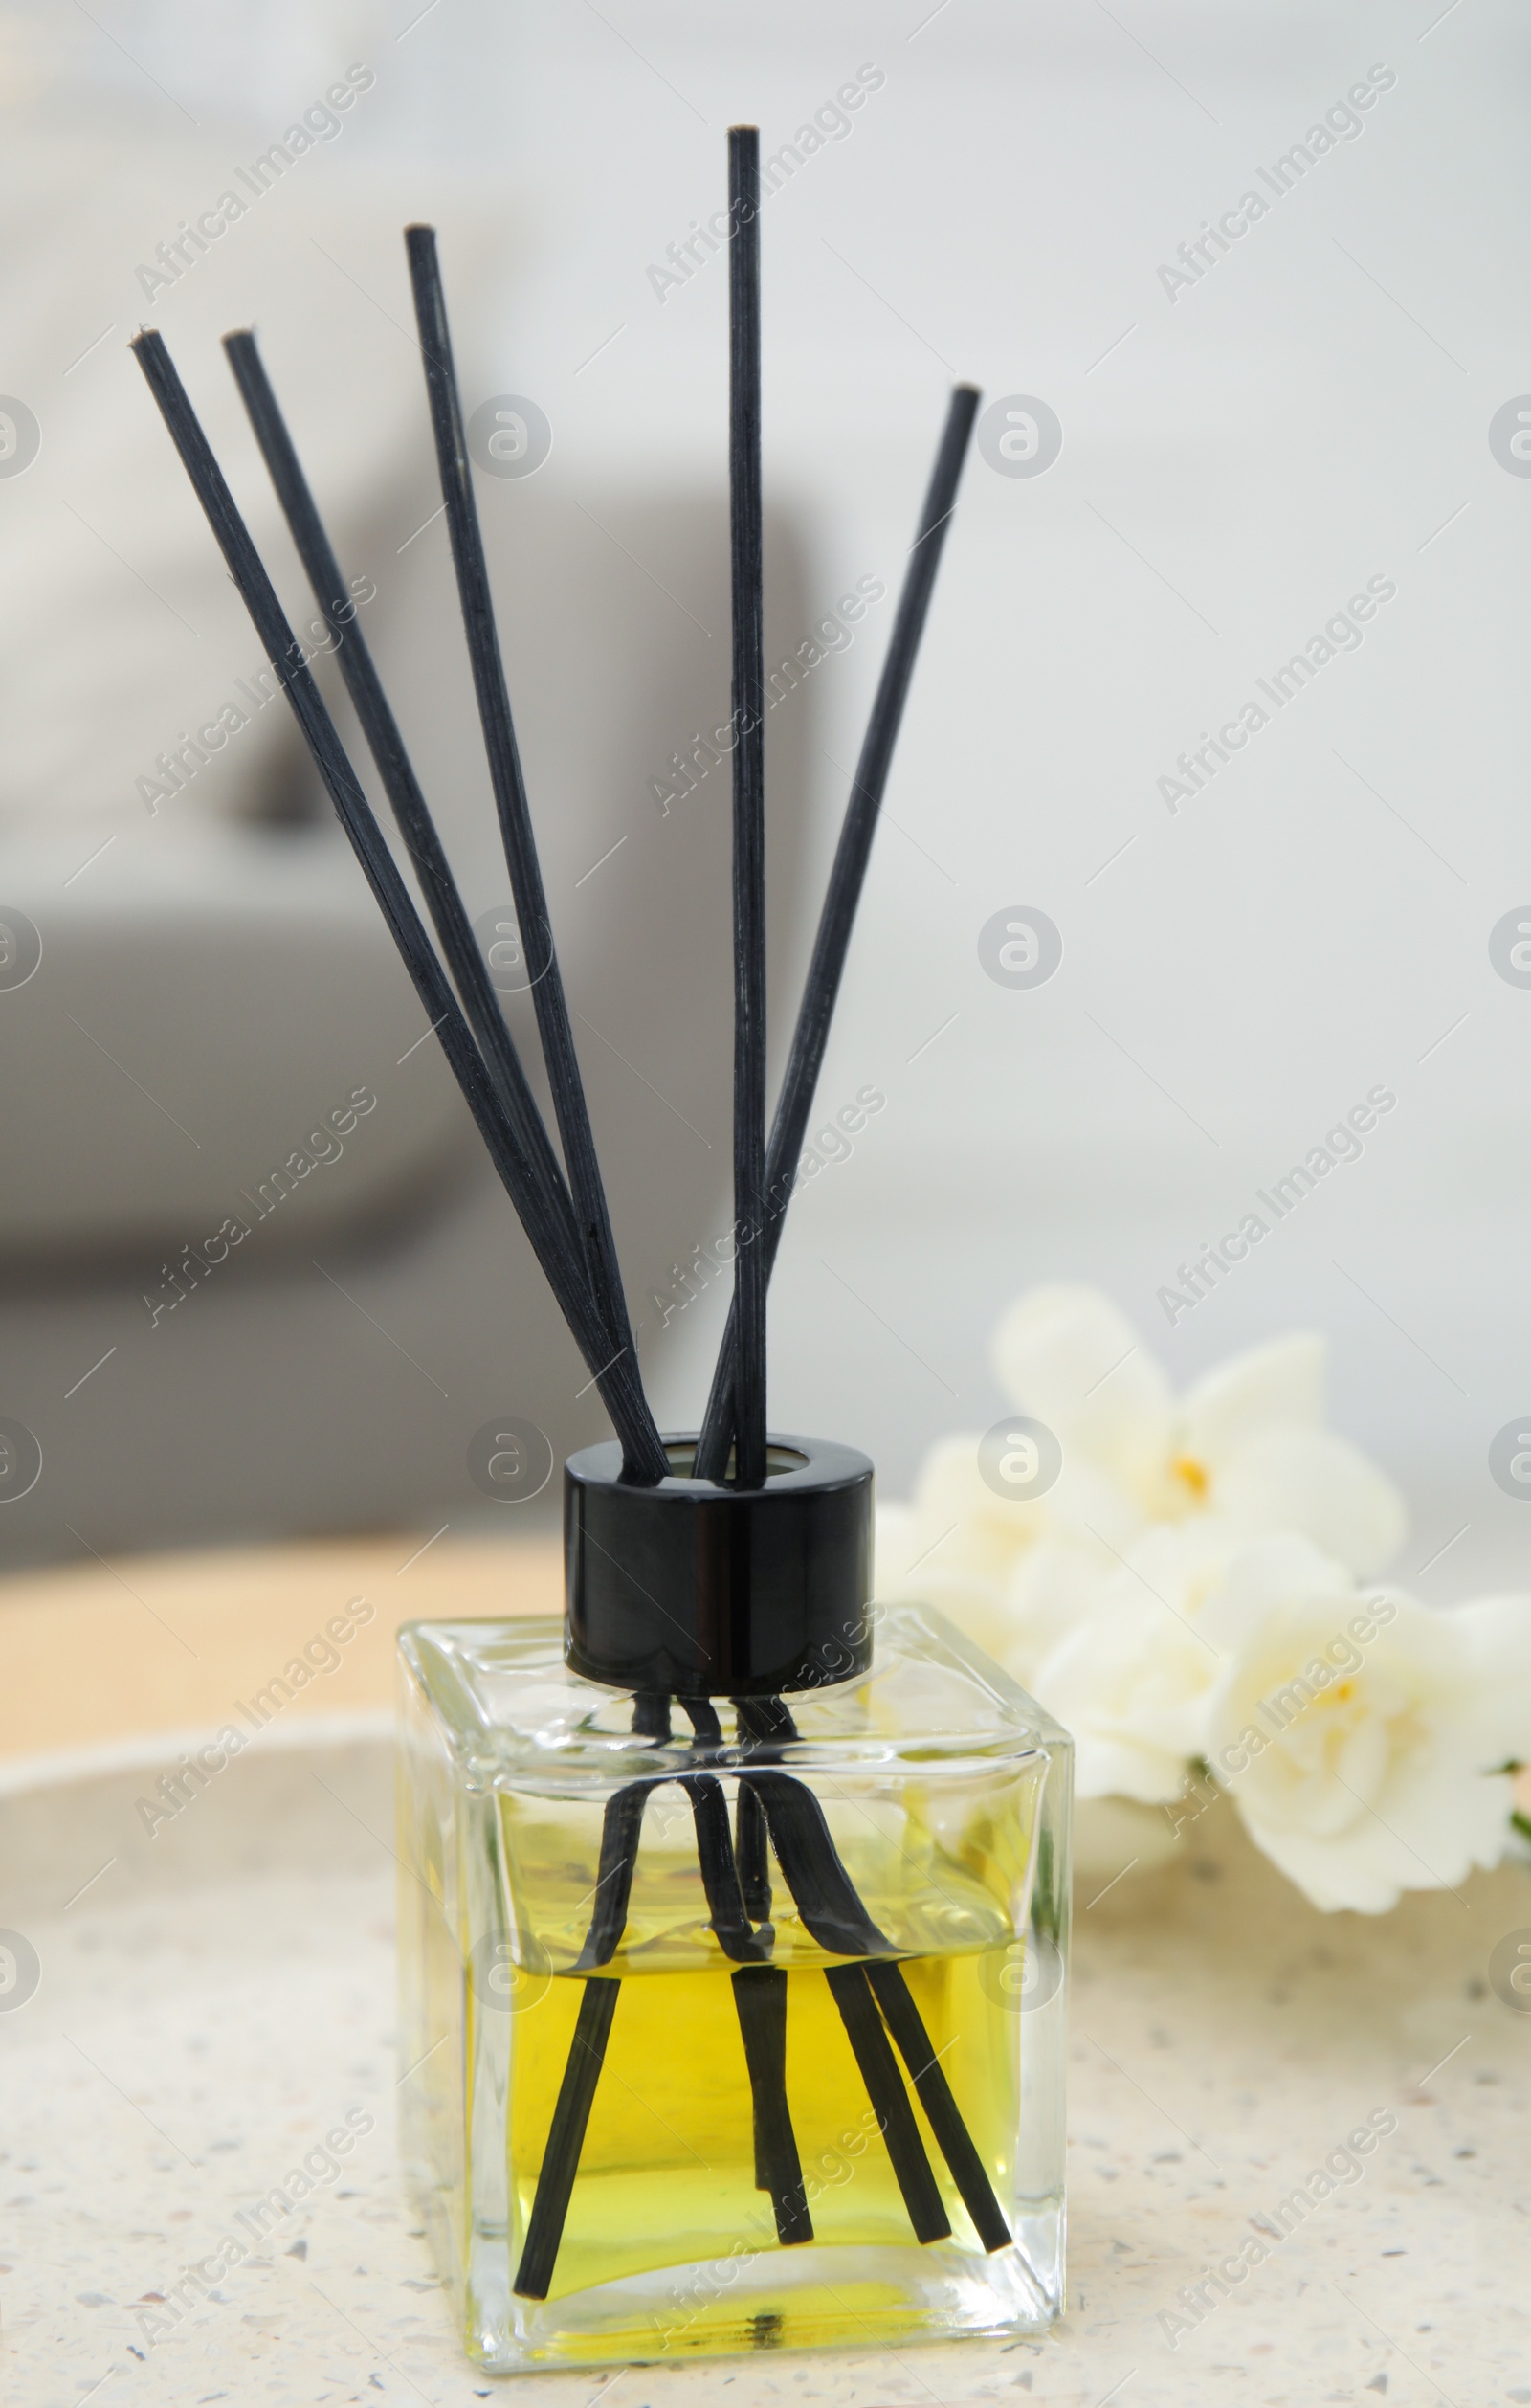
(1244, 1445)
(1360, 1733)
(1242, 1455)
(1188, 1591)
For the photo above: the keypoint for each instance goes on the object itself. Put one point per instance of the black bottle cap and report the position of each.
(701, 1591)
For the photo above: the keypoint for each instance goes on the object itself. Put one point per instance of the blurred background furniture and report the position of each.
(1239, 456)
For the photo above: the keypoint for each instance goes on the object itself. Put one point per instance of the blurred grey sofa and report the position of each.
(218, 1034)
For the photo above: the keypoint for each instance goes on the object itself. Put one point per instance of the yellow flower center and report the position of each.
(1186, 1469)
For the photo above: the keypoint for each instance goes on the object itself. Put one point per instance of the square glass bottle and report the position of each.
(738, 2025)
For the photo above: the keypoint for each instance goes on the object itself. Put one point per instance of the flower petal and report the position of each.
(961, 1521)
(1276, 1386)
(1131, 1685)
(977, 1607)
(1094, 1510)
(1053, 1591)
(1496, 1635)
(1318, 1485)
(1347, 1728)
(1068, 1356)
(1265, 1575)
(1369, 1869)
(1185, 1562)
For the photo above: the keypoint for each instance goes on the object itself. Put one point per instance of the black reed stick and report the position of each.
(732, 1886)
(719, 1871)
(760, 1996)
(616, 1382)
(510, 791)
(760, 2005)
(890, 2101)
(827, 1899)
(620, 1826)
(576, 2095)
(844, 893)
(745, 538)
(411, 811)
(891, 1990)
(750, 1846)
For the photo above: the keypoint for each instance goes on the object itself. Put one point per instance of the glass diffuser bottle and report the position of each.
(732, 1936)
(733, 1914)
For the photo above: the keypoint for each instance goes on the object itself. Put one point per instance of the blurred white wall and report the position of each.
(1238, 459)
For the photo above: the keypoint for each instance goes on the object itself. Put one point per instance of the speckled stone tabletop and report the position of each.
(216, 2000)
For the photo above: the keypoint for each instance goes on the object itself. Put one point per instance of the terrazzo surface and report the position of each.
(216, 2000)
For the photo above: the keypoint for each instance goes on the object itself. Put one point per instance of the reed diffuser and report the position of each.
(715, 2038)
